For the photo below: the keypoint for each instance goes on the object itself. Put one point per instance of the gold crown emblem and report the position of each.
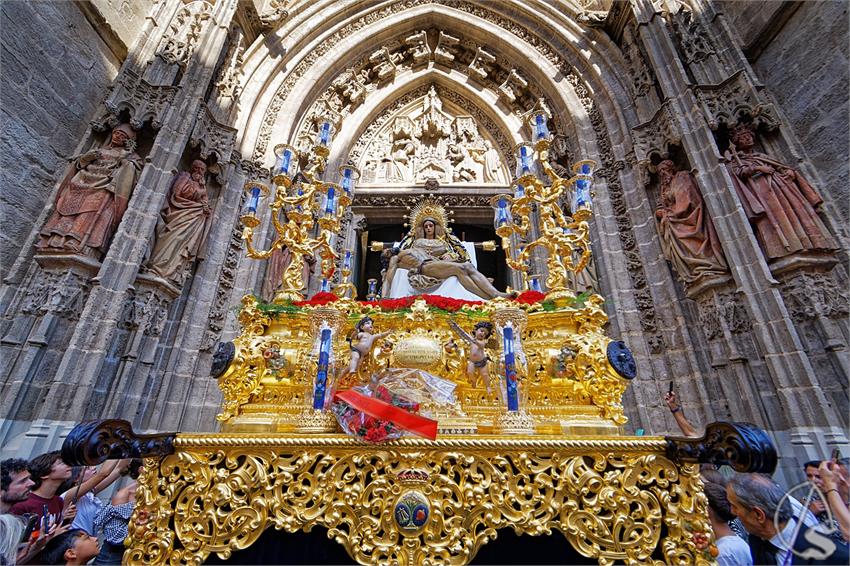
(413, 476)
(428, 208)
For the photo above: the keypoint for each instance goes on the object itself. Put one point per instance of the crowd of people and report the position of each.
(50, 512)
(756, 522)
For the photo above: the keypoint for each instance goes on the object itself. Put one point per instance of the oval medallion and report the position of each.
(412, 511)
(621, 359)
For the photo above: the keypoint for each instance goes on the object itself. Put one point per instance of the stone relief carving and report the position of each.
(392, 58)
(474, 118)
(693, 39)
(734, 313)
(144, 310)
(655, 136)
(812, 295)
(642, 77)
(709, 318)
(733, 100)
(212, 137)
(178, 42)
(425, 141)
(229, 80)
(218, 310)
(61, 293)
(274, 14)
(140, 99)
(451, 201)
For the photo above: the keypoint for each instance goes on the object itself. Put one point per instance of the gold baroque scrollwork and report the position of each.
(611, 499)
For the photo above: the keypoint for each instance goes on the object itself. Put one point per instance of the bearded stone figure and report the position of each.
(779, 202)
(183, 225)
(93, 198)
(687, 233)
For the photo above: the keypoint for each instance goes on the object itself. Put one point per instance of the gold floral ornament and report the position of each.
(416, 501)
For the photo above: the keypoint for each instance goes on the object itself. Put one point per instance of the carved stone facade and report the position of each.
(431, 97)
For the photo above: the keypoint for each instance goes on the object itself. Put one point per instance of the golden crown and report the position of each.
(428, 208)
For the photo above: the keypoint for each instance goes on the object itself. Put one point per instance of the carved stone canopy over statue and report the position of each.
(779, 202)
(183, 224)
(431, 255)
(687, 233)
(424, 141)
(93, 198)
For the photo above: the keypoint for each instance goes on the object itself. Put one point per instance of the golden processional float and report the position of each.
(545, 452)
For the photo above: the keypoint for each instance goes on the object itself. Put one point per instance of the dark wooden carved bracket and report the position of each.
(92, 442)
(743, 446)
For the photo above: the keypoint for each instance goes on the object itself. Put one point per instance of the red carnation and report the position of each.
(530, 297)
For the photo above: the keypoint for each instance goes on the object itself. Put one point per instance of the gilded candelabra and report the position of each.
(301, 209)
(566, 239)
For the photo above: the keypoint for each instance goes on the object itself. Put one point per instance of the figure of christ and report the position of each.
(431, 256)
(360, 344)
(477, 360)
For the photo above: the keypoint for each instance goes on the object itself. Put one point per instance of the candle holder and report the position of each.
(296, 209)
(566, 239)
(346, 289)
(372, 289)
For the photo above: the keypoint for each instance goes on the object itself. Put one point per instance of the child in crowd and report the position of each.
(74, 547)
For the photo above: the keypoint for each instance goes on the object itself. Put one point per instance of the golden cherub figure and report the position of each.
(477, 360)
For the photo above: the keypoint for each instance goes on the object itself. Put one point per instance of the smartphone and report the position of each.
(45, 519)
(836, 455)
(31, 521)
(670, 390)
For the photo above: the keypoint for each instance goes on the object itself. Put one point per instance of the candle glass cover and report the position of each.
(348, 180)
(525, 162)
(286, 163)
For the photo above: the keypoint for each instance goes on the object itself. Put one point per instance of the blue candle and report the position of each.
(373, 287)
(254, 200)
(582, 193)
(325, 134)
(322, 374)
(520, 191)
(346, 262)
(510, 368)
(541, 132)
(326, 286)
(347, 181)
(330, 202)
(525, 164)
(534, 284)
(503, 217)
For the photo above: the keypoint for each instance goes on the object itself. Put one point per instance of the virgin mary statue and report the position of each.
(430, 260)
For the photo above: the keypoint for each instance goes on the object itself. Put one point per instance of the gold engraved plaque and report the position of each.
(417, 352)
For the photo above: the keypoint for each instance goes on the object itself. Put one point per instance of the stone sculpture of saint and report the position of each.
(431, 255)
(491, 163)
(687, 233)
(93, 198)
(183, 225)
(779, 202)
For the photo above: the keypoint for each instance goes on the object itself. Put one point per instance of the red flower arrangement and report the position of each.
(530, 297)
(319, 299)
(436, 301)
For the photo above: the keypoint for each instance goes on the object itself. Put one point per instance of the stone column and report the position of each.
(804, 407)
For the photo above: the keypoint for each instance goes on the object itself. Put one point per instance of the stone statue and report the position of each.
(398, 164)
(779, 202)
(183, 226)
(687, 233)
(491, 163)
(92, 201)
(431, 255)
